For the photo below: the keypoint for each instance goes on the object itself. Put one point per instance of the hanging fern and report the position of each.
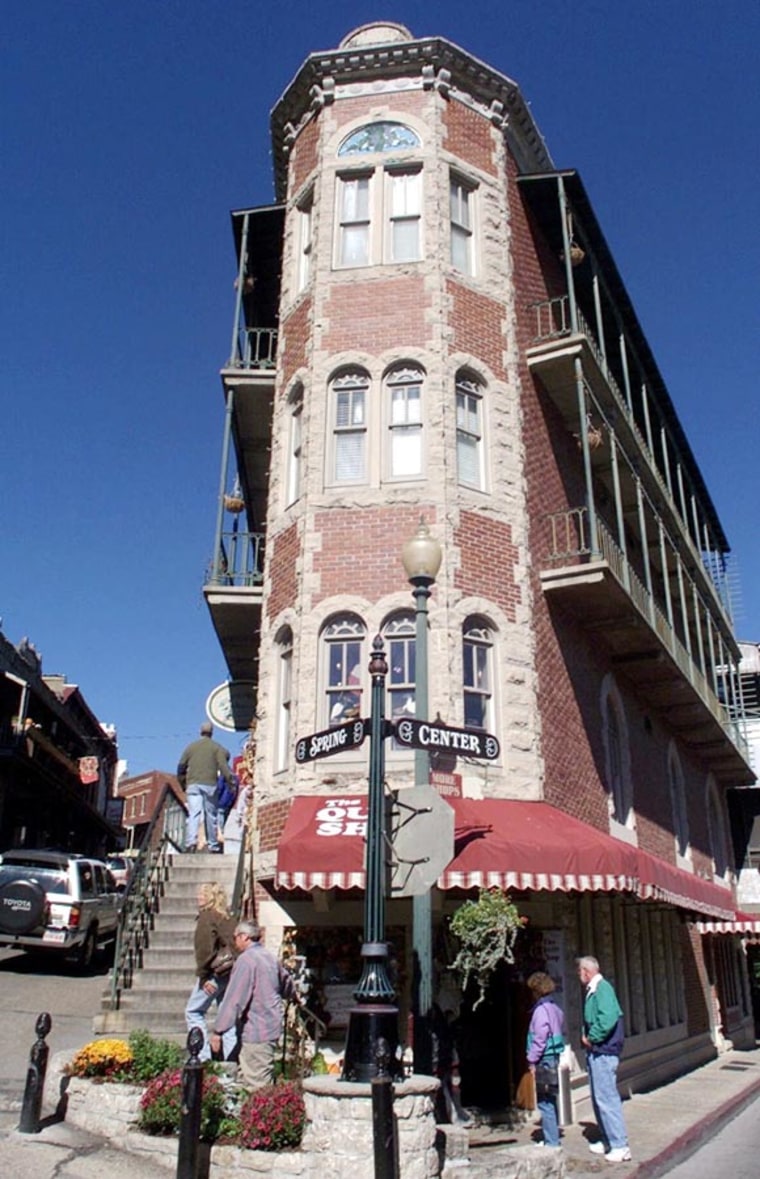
(487, 929)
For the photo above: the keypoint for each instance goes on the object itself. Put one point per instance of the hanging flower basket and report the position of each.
(234, 503)
(486, 929)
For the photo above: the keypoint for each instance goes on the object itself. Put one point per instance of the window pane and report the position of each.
(354, 247)
(349, 457)
(467, 460)
(405, 244)
(406, 456)
(355, 199)
(460, 250)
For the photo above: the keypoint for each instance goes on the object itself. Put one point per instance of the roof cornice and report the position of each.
(465, 76)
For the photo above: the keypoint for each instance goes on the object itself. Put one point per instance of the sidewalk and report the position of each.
(665, 1126)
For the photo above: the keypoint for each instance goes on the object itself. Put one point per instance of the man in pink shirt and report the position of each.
(254, 998)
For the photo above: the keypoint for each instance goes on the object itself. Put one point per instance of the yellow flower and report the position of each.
(102, 1058)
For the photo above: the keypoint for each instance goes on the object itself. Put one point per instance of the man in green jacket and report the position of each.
(199, 767)
(603, 1035)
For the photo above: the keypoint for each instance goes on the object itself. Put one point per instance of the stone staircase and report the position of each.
(160, 989)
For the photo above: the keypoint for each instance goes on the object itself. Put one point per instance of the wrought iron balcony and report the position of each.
(594, 581)
(256, 348)
(233, 593)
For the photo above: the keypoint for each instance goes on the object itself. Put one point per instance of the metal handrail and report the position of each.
(574, 523)
(239, 559)
(142, 899)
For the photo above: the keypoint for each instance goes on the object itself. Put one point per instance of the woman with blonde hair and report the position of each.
(214, 956)
(545, 1043)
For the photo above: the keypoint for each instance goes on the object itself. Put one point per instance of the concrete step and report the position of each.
(156, 1001)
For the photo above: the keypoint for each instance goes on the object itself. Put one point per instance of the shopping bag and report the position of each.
(525, 1097)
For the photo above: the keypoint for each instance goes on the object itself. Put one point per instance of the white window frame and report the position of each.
(343, 642)
(478, 673)
(373, 207)
(399, 637)
(403, 387)
(295, 445)
(349, 412)
(461, 224)
(305, 241)
(470, 431)
(284, 697)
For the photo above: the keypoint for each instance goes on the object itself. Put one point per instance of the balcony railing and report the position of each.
(256, 348)
(239, 560)
(570, 541)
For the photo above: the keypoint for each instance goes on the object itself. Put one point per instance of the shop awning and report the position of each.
(661, 881)
(497, 842)
(503, 843)
(743, 923)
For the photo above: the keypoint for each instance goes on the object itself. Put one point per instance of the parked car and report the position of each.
(120, 868)
(57, 903)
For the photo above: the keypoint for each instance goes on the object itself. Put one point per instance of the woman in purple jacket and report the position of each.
(545, 1043)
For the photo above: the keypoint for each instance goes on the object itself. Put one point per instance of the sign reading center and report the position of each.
(330, 741)
(468, 742)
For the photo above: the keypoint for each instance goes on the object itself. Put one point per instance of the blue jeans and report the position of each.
(201, 804)
(547, 1107)
(195, 1017)
(608, 1108)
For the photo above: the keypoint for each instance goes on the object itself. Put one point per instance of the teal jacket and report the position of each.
(603, 1019)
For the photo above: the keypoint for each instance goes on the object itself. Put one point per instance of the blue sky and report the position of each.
(128, 133)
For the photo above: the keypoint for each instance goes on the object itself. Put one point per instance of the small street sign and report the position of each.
(331, 741)
(464, 742)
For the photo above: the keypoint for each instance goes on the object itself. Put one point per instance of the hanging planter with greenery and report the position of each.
(487, 929)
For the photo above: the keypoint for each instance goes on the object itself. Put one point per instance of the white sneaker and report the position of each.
(620, 1154)
(597, 1148)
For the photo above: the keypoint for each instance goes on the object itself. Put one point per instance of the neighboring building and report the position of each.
(141, 795)
(429, 322)
(57, 761)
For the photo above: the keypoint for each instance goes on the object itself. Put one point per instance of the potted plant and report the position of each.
(487, 929)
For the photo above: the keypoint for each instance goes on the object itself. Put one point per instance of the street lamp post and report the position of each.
(421, 556)
(375, 1016)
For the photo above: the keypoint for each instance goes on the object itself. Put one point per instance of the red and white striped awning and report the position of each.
(743, 923)
(502, 843)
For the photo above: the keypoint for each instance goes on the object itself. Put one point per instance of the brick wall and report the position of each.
(368, 543)
(283, 571)
(303, 159)
(271, 823)
(376, 313)
(294, 339)
(477, 325)
(487, 559)
(470, 136)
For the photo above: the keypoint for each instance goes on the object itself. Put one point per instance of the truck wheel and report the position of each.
(22, 904)
(86, 954)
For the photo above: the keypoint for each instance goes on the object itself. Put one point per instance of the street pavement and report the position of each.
(665, 1125)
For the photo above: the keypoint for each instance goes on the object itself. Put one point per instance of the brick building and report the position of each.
(429, 323)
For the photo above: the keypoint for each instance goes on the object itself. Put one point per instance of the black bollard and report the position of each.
(384, 1141)
(190, 1118)
(35, 1078)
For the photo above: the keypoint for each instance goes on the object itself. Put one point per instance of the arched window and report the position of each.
(716, 826)
(343, 640)
(678, 802)
(379, 209)
(349, 406)
(469, 410)
(295, 442)
(403, 386)
(284, 644)
(477, 656)
(617, 756)
(399, 636)
(378, 137)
